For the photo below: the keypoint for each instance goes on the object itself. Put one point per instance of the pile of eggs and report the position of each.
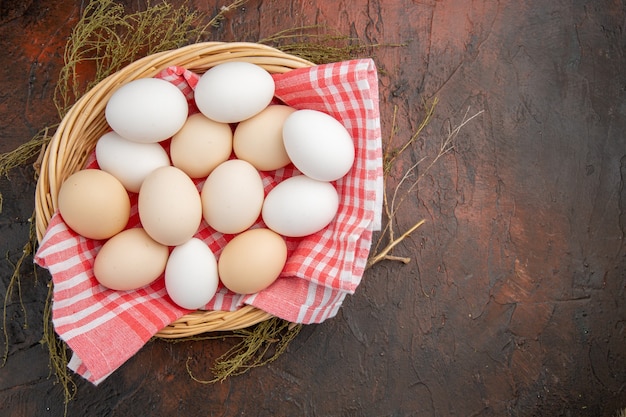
(155, 151)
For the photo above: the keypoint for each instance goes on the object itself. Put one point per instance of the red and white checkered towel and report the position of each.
(104, 328)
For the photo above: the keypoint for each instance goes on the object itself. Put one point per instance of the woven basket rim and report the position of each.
(78, 131)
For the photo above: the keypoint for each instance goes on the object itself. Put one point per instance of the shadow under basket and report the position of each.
(75, 139)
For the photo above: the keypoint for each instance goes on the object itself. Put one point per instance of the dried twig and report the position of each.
(391, 206)
(384, 254)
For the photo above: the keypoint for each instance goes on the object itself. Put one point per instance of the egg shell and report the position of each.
(318, 145)
(259, 139)
(169, 206)
(232, 196)
(300, 206)
(191, 278)
(234, 91)
(94, 204)
(252, 261)
(147, 110)
(130, 162)
(129, 260)
(201, 145)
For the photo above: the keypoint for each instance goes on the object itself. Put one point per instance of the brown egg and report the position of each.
(201, 145)
(169, 206)
(130, 260)
(252, 261)
(259, 140)
(232, 197)
(94, 204)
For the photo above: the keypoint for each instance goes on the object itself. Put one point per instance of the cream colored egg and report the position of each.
(232, 196)
(252, 261)
(94, 204)
(169, 206)
(259, 140)
(201, 145)
(130, 260)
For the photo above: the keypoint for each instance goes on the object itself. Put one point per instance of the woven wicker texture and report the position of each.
(78, 132)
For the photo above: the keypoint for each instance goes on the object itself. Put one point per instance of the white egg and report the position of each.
(191, 278)
(234, 91)
(300, 206)
(147, 110)
(130, 162)
(318, 145)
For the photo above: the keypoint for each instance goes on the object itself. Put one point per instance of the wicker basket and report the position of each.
(78, 132)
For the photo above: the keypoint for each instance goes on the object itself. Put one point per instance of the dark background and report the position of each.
(514, 300)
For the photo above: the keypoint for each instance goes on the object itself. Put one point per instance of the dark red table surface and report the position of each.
(514, 300)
